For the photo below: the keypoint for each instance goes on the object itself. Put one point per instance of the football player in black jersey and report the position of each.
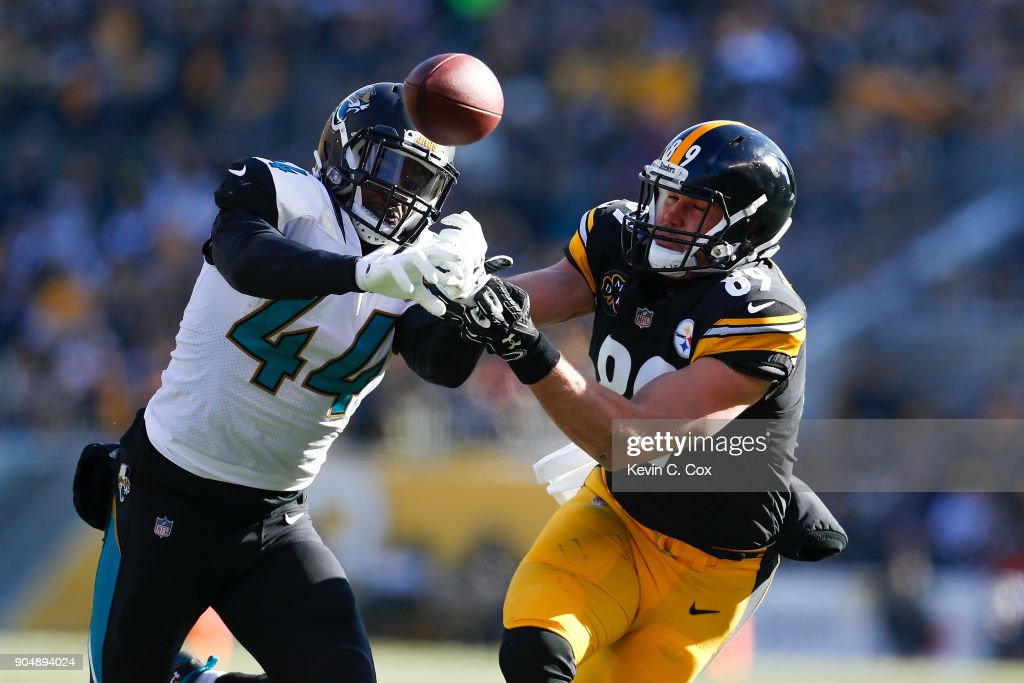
(693, 322)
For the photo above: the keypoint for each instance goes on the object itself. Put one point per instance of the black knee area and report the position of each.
(535, 655)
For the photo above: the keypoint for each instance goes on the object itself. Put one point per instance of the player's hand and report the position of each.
(460, 242)
(405, 274)
(458, 310)
(501, 320)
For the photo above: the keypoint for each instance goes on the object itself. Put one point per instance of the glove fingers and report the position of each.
(503, 297)
(418, 261)
(430, 302)
(461, 220)
(444, 254)
(399, 276)
(467, 248)
(451, 283)
(514, 298)
(489, 305)
(497, 263)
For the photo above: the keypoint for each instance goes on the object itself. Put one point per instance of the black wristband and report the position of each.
(540, 359)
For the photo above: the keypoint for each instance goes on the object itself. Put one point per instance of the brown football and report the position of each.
(453, 98)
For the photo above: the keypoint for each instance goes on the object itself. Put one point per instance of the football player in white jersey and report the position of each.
(306, 295)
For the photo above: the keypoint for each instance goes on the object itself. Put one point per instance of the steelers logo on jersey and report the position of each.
(683, 339)
(612, 285)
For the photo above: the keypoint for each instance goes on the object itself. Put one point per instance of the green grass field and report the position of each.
(450, 663)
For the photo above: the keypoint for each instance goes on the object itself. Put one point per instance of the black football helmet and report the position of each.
(723, 163)
(386, 175)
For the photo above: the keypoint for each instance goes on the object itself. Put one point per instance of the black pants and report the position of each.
(177, 544)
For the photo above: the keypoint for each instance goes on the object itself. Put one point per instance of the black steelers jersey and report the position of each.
(646, 324)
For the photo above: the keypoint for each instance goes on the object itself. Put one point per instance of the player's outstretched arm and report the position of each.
(256, 259)
(557, 293)
(434, 348)
(250, 251)
(705, 394)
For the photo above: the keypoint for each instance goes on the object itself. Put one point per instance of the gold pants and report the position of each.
(635, 605)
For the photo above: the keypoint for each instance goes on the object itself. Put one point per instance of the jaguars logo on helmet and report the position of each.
(354, 103)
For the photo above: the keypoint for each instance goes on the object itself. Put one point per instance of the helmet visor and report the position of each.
(400, 192)
(406, 173)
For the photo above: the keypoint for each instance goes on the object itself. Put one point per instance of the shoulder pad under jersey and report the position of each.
(598, 238)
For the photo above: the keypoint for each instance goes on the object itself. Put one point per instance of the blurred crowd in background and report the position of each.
(117, 118)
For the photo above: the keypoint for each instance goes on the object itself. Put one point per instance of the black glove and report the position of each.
(501, 322)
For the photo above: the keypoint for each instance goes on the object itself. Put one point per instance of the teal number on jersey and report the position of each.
(346, 375)
(279, 359)
(341, 377)
(286, 167)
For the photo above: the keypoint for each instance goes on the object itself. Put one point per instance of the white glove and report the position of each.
(462, 239)
(405, 275)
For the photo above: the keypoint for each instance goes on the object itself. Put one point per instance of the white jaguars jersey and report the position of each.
(257, 390)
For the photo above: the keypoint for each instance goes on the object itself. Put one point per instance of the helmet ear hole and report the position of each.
(337, 181)
(344, 181)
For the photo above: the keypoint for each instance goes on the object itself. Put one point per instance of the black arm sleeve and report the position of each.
(252, 254)
(434, 349)
(258, 260)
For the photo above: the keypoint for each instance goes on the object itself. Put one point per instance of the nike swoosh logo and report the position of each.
(291, 519)
(694, 611)
(760, 307)
(238, 173)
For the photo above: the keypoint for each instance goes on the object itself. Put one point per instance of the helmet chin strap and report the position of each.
(360, 216)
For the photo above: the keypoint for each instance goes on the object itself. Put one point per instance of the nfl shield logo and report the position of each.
(644, 317)
(163, 527)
